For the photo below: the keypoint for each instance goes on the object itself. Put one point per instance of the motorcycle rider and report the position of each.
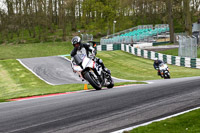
(85, 48)
(156, 64)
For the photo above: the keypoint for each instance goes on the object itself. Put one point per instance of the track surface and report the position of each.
(100, 111)
(54, 70)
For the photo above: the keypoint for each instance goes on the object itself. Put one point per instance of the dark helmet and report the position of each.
(156, 60)
(76, 40)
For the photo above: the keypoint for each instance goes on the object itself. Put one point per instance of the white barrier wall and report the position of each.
(174, 60)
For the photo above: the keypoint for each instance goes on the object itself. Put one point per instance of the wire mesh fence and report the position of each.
(87, 37)
(187, 46)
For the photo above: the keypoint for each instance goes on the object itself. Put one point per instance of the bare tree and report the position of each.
(169, 12)
(188, 23)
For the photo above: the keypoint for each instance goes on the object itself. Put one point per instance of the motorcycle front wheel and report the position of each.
(92, 80)
(167, 76)
(111, 82)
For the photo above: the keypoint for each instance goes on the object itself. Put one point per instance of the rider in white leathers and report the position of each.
(80, 48)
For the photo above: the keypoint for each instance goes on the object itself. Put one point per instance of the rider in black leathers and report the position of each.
(81, 48)
(156, 64)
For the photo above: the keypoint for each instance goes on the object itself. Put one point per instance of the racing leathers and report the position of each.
(156, 65)
(87, 49)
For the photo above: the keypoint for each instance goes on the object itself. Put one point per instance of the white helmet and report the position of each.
(76, 40)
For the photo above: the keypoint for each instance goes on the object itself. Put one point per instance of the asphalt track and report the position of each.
(100, 111)
(54, 70)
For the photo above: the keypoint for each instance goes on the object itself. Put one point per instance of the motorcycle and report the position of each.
(164, 71)
(88, 69)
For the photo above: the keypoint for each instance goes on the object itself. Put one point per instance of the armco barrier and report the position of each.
(169, 59)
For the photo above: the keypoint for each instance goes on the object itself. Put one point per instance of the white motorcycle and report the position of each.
(91, 71)
(164, 71)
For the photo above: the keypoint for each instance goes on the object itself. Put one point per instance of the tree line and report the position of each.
(41, 19)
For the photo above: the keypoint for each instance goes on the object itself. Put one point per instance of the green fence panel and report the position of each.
(120, 47)
(130, 50)
(165, 58)
(156, 55)
(142, 52)
(182, 61)
(135, 49)
(193, 62)
(116, 46)
(149, 54)
(104, 47)
(173, 60)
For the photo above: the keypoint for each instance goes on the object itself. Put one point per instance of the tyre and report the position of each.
(167, 76)
(111, 84)
(93, 81)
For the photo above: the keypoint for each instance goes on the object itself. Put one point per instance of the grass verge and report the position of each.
(175, 52)
(19, 82)
(127, 66)
(185, 123)
(34, 50)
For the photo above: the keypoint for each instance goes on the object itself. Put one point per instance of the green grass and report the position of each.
(127, 66)
(20, 82)
(16, 81)
(186, 123)
(170, 52)
(34, 50)
(175, 52)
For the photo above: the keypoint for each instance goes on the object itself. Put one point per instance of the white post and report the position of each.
(114, 22)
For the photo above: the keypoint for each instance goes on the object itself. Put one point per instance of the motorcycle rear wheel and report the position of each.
(91, 79)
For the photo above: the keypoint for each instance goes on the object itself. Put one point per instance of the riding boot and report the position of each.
(105, 69)
(103, 66)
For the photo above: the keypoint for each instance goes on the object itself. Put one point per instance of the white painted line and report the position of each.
(147, 123)
(124, 79)
(148, 82)
(34, 72)
(65, 58)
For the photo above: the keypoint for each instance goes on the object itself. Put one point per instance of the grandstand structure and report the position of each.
(141, 33)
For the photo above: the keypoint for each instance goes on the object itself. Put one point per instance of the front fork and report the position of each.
(80, 75)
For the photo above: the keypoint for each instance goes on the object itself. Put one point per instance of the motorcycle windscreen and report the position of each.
(78, 58)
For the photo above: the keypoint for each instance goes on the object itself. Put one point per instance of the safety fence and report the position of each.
(169, 59)
(187, 46)
(87, 37)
